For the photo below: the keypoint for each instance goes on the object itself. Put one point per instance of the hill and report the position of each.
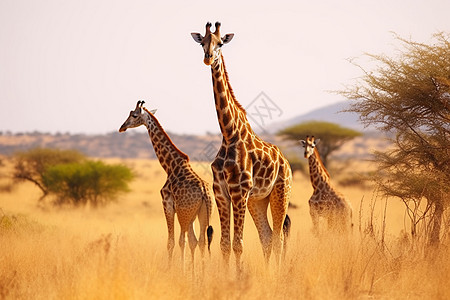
(333, 113)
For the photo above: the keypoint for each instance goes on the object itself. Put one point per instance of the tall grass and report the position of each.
(119, 252)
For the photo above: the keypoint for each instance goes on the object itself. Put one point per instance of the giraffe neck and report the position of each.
(317, 171)
(168, 154)
(231, 115)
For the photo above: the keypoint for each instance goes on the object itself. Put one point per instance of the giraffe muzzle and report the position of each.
(208, 60)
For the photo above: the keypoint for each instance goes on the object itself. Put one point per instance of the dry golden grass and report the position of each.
(119, 252)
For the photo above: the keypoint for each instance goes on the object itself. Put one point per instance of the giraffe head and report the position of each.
(136, 117)
(212, 42)
(309, 145)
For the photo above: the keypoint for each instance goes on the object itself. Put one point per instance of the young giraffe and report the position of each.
(325, 201)
(248, 172)
(184, 192)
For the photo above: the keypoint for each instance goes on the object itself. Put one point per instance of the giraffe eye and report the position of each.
(220, 45)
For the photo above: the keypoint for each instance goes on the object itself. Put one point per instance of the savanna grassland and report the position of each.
(119, 252)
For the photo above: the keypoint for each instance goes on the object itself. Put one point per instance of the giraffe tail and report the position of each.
(208, 203)
(286, 227)
(209, 234)
(286, 232)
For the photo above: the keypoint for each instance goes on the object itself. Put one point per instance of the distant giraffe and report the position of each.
(184, 192)
(248, 172)
(326, 201)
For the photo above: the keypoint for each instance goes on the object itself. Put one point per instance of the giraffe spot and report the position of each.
(257, 165)
(233, 177)
(261, 172)
(245, 179)
(231, 153)
(219, 87)
(225, 119)
(259, 181)
(270, 169)
(229, 131)
(258, 144)
(223, 103)
(253, 156)
(221, 152)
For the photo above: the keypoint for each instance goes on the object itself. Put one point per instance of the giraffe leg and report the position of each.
(182, 243)
(192, 243)
(223, 206)
(239, 198)
(314, 218)
(258, 211)
(169, 212)
(333, 221)
(344, 222)
(238, 238)
(279, 200)
(203, 220)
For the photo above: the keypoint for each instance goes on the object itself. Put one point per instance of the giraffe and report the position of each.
(247, 171)
(184, 192)
(325, 200)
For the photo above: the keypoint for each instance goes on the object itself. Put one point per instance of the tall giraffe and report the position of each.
(184, 192)
(325, 201)
(248, 172)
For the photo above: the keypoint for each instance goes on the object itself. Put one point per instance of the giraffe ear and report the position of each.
(227, 38)
(316, 141)
(302, 142)
(153, 111)
(197, 37)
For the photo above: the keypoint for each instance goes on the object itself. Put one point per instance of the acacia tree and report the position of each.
(332, 136)
(409, 95)
(31, 165)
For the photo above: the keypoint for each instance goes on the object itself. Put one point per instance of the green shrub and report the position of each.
(92, 182)
(31, 165)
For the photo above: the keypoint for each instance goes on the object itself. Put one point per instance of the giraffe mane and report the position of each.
(167, 136)
(239, 105)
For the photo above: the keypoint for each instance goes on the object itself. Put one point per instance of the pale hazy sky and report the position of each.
(80, 66)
